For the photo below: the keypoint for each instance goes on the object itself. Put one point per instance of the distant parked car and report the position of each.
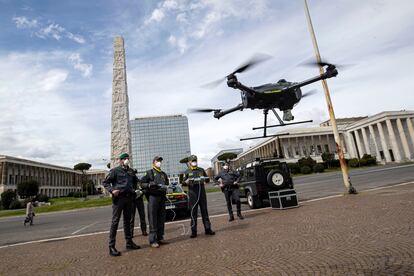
(177, 200)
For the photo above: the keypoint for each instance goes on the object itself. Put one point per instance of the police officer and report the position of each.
(139, 205)
(229, 185)
(120, 182)
(195, 177)
(155, 182)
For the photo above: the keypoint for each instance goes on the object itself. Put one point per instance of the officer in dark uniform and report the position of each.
(139, 205)
(120, 182)
(155, 183)
(229, 185)
(195, 177)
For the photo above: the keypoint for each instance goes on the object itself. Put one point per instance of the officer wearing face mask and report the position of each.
(155, 183)
(229, 184)
(120, 184)
(194, 178)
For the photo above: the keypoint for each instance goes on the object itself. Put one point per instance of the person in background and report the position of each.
(29, 213)
(229, 180)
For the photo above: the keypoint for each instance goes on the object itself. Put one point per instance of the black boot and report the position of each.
(131, 245)
(193, 235)
(114, 252)
(231, 217)
(210, 232)
(240, 215)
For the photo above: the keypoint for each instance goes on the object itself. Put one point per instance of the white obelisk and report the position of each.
(120, 129)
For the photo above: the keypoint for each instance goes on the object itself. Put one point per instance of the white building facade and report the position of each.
(55, 181)
(388, 136)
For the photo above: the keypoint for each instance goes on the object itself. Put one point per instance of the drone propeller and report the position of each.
(255, 60)
(202, 110)
(313, 63)
(309, 93)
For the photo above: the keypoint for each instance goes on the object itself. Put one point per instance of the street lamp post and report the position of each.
(344, 167)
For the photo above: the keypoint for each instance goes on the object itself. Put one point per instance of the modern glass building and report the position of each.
(166, 136)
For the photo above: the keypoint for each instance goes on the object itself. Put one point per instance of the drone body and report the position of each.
(283, 95)
(269, 96)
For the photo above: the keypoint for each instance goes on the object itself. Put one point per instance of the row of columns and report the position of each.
(363, 145)
(302, 147)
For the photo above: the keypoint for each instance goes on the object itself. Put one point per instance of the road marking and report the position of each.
(83, 228)
(188, 220)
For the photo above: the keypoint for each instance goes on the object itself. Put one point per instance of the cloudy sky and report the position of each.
(56, 66)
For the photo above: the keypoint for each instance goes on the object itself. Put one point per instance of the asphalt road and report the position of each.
(54, 225)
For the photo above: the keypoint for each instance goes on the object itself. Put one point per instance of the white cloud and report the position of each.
(77, 63)
(23, 22)
(156, 16)
(52, 79)
(42, 122)
(77, 38)
(50, 30)
(180, 43)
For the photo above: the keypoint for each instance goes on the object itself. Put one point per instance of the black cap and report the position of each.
(192, 158)
(157, 158)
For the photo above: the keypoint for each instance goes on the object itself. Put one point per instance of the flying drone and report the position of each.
(283, 95)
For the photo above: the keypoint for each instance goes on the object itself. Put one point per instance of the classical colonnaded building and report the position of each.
(388, 136)
(54, 180)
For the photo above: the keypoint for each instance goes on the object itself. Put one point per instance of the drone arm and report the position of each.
(221, 113)
(330, 72)
(234, 83)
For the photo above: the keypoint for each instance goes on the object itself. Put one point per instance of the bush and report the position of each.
(368, 160)
(294, 168)
(318, 168)
(334, 163)
(70, 194)
(307, 161)
(80, 194)
(15, 204)
(7, 197)
(27, 188)
(362, 162)
(353, 163)
(305, 170)
(42, 198)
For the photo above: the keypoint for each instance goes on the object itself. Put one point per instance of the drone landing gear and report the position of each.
(265, 127)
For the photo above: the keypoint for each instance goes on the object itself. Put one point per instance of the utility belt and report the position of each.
(128, 193)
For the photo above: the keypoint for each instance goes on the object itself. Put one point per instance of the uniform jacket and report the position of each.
(120, 178)
(195, 173)
(156, 177)
(228, 177)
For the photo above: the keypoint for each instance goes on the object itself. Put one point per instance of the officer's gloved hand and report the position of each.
(162, 187)
(152, 185)
(139, 193)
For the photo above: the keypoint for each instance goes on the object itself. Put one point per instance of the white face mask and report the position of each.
(126, 162)
(157, 164)
(225, 167)
(194, 164)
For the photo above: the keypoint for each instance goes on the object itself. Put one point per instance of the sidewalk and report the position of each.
(366, 234)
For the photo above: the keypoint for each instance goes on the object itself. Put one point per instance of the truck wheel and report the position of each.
(253, 201)
(276, 179)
